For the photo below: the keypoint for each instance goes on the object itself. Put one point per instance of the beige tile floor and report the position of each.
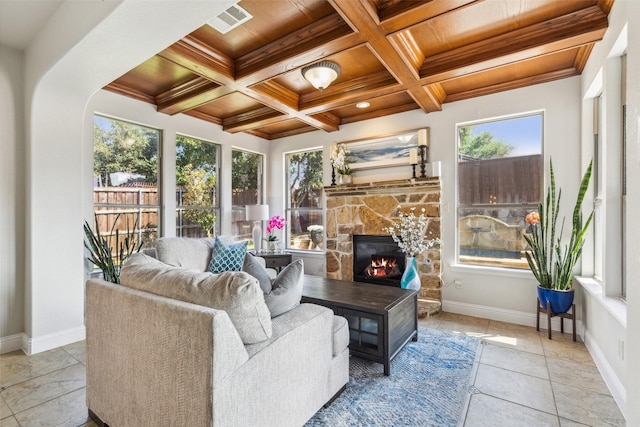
(521, 379)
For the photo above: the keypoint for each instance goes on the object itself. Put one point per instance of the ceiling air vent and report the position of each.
(230, 19)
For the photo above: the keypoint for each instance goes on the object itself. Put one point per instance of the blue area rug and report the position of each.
(427, 387)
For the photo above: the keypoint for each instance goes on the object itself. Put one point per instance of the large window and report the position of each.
(500, 176)
(247, 189)
(125, 179)
(197, 212)
(304, 200)
(610, 189)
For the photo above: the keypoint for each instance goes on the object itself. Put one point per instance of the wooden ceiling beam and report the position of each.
(187, 54)
(568, 31)
(130, 92)
(252, 119)
(201, 60)
(282, 99)
(189, 95)
(204, 116)
(359, 14)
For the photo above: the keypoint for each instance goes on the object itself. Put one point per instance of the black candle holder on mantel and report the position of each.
(333, 175)
(423, 160)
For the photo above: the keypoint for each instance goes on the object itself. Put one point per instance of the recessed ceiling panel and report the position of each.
(515, 74)
(354, 63)
(229, 105)
(400, 100)
(271, 21)
(156, 76)
(291, 126)
(483, 20)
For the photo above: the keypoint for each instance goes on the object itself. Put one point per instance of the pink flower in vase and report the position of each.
(276, 222)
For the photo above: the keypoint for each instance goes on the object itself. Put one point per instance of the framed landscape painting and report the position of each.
(383, 151)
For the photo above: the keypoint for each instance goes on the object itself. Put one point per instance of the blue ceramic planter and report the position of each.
(561, 301)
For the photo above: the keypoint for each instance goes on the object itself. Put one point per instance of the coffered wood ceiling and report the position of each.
(397, 55)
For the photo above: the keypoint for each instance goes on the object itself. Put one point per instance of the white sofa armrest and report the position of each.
(144, 350)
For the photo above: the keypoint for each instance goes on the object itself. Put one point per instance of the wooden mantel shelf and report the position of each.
(384, 187)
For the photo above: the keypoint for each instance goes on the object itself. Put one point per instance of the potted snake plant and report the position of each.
(550, 258)
(101, 248)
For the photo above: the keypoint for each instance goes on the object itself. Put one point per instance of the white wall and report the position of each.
(12, 189)
(83, 47)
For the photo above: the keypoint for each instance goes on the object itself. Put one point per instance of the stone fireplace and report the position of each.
(365, 209)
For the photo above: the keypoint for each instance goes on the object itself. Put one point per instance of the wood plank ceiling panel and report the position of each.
(397, 55)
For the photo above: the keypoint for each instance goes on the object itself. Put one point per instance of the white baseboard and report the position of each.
(13, 342)
(510, 316)
(618, 390)
(54, 340)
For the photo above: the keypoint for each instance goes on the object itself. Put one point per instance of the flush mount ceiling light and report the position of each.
(363, 104)
(321, 74)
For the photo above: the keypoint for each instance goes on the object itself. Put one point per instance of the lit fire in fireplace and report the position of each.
(382, 266)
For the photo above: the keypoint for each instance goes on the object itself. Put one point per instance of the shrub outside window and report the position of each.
(500, 177)
(197, 210)
(305, 219)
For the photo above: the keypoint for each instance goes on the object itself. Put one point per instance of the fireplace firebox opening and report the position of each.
(377, 259)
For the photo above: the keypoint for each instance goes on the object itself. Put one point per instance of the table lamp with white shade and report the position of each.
(257, 213)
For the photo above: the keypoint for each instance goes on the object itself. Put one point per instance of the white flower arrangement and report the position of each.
(340, 159)
(408, 233)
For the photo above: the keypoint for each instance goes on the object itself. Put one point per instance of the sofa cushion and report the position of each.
(254, 267)
(237, 293)
(283, 293)
(191, 253)
(227, 257)
(286, 291)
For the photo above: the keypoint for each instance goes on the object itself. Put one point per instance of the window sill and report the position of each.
(306, 252)
(492, 271)
(615, 306)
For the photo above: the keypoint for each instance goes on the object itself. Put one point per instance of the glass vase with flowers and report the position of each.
(409, 233)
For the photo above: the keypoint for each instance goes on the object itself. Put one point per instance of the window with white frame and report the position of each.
(304, 213)
(247, 189)
(610, 165)
(126, 196)
(197, 207)
(500, 178)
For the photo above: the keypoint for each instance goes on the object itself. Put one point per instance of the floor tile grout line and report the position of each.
(41, 375)
(50, 400)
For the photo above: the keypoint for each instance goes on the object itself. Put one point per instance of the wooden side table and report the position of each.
(275, 261)
(550, 314)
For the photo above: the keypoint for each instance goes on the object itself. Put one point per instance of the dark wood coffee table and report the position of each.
(382, 319)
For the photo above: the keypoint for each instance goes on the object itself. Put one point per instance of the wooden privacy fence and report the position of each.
(509, 180)
(141, 202)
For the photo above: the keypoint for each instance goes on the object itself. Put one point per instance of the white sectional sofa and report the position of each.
(156, 357)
